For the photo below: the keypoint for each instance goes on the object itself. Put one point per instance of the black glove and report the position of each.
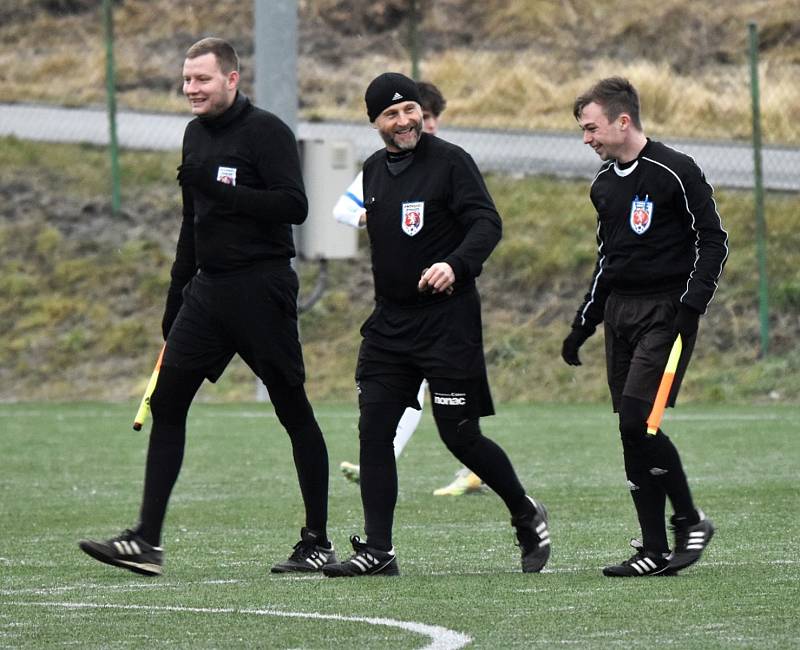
(174, 302)
(573, 342)
(686, 321)
(203, 178)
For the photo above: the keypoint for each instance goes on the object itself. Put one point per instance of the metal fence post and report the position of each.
(413, 38)
(758, 189)
(111, 99)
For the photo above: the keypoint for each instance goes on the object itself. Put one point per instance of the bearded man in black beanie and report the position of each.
(431, 224)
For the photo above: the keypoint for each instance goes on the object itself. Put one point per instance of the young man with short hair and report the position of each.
(661, 250)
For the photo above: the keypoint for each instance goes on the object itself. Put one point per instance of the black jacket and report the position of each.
(436, 210)
(253, 221)
(658, 231)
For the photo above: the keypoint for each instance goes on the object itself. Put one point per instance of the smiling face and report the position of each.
(607, 138)
(209, 90)
(400, 126)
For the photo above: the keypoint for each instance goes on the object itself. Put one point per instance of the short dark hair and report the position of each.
(432, 98)
(226, 56)
(615, 95)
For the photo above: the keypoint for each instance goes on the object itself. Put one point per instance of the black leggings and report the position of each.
(654, 471)
(169, 405)
(484, 457)
(377, 426)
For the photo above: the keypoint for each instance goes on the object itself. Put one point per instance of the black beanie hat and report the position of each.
(387, 89)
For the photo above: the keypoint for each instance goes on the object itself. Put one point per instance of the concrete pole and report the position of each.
(275, 40)
(275, 63)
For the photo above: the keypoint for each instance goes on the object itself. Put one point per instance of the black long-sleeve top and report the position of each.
(436, 210)
(658, 230)
(257, 153)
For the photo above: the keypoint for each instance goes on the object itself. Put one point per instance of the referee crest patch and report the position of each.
(413, 217)
(641, 214)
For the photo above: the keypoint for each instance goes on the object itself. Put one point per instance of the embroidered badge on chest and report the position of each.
(641, 214)
(413, 217)
(227, 175)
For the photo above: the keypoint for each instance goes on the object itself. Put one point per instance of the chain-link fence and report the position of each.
(508, 69)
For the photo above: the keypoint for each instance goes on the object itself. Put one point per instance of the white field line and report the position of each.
(269, 414)
(441, 638)
(589, 565)
(51, 591)
(744, 417)
(33, 413)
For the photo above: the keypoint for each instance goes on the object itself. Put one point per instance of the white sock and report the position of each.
(408, 423)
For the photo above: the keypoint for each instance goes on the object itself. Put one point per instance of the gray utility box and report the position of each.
(328, 170)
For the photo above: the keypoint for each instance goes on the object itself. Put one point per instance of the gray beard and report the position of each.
(389, 140)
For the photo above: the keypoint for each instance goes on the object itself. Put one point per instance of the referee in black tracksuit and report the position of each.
(661, 250)
(431, 225)
(233, 291)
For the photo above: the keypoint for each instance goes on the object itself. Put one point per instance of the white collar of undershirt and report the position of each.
(627, 170)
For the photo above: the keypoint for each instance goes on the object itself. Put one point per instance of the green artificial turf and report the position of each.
(75, 470)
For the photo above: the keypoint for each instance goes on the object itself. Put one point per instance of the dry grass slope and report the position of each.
(501, 63)
(82, 291)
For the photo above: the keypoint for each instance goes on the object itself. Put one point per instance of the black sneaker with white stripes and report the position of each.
(127, 551)
(644, 563)
(533, 537)
(690, 541)
(308, 555)
(366, 561)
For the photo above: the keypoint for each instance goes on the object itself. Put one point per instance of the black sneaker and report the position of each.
(644, 563)
(533, 537)
(128, 551)
(308, 555)
(365, 561)
(690, 541)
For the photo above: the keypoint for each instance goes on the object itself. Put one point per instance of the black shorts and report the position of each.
(442, 343)
(639, 335)
(252, 313)
(452, 399)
